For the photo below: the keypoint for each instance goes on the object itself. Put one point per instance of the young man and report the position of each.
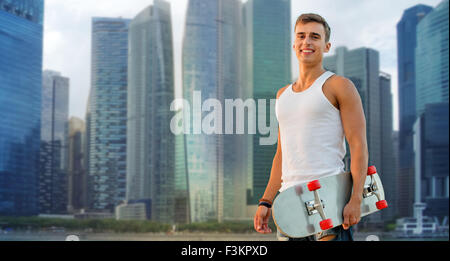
(314, 115)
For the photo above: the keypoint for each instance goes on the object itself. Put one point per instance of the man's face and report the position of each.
(309, 44)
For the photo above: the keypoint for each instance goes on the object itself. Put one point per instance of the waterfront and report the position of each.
(185, 236)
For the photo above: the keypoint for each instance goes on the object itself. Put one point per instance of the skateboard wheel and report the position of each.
(371, 170)
(382, 204)
(326, 224)
(314, 185)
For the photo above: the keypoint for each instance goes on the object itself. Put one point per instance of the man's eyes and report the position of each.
(314, 36)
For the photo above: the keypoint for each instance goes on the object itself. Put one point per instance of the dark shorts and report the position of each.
(340, 233)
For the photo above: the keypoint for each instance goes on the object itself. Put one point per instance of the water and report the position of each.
(82, 236)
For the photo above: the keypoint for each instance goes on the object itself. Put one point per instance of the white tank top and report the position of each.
(312, 136)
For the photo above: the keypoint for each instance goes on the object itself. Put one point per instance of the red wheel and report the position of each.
(314, 185)
(326, 224)
(371, 170)
(382, 204)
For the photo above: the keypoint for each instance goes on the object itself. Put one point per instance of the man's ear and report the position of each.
(327, 47)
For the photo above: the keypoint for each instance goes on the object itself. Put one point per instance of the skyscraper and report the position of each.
(77, 182)
(389, 167)
(268, 51)
(150, 143)
(432, 58)
(431, 160)
(108, 113)
(54, 143)
(181, 194)
(431, 127)
(211, 55)
(21, 34)
(406, 45)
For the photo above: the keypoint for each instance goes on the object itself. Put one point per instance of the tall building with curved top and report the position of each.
(150, 143)
(21, 35)
(108, 114)
(211, 70)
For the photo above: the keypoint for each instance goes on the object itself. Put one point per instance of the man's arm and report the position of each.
(274, 184)
(354, 124)
(263, 213)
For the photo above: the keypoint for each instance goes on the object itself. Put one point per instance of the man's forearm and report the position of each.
(358, 168)
(274, 183)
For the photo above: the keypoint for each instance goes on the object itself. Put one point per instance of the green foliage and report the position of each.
(124, 226)
(96, 225)
(390, 227)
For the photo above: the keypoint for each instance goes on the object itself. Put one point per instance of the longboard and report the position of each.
(309, 208)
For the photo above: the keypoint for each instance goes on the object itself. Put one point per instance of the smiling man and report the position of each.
(315, 115)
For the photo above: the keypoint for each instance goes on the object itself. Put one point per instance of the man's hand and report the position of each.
(261, 220)
(352, 213)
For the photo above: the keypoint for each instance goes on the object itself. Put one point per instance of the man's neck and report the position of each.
(308, 74)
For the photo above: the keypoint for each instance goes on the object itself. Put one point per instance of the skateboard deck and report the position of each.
(309, 208)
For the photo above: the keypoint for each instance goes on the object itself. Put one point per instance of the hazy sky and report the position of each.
(354, 23)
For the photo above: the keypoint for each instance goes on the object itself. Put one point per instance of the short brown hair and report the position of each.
(307, 18)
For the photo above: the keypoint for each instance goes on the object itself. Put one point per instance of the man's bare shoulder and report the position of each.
(340, 85)
(340, 82)
(280, 91)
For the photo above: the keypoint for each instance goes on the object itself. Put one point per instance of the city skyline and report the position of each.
(126, 159)
(67, 36)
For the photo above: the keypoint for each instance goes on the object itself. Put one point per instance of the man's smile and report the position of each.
(307, 51)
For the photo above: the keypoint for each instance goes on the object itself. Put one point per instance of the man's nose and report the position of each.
(307, 40)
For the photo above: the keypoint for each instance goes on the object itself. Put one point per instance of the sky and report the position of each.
(354, 24)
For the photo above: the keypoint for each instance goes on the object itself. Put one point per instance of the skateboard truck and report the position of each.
(372, 189)
(316, 206)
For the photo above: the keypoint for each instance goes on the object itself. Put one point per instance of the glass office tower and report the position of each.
(211, 55)
(150, 143)
(21, 35)
(54, 144)
(388, 157)
(432, 58)
(431, 160)
(406, 46)
(432, 109)
(108, 113)
(268, 69)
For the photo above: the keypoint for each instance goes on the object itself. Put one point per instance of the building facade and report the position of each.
(77, 176)
(431, 58)
(108, 114)
(150, 143)
(431, 160)
(21, 35)
(210, 66)
(388, 156)
(431, 127)
(53, 176)
(406, 45)
(268, 68)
